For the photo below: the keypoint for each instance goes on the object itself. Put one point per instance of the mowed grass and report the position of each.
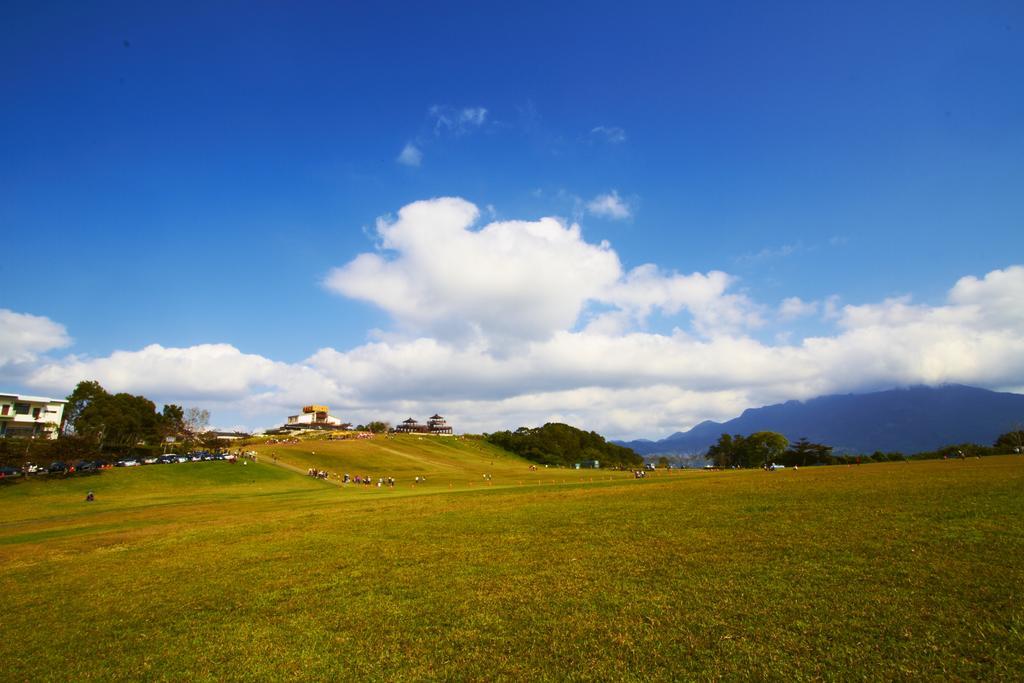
(446, 463)
(893, 571)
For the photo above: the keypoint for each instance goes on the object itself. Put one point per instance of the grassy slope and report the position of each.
(216, 572)
(446, 462)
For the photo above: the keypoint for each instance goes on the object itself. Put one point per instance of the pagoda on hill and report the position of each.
(435, 425)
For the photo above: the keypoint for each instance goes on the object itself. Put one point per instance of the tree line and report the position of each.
(563, 445)
(122, 420)
(766, 448)
(101, 425)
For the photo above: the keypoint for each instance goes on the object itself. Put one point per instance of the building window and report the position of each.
(21, 408)
(36, 412)
(6, 410)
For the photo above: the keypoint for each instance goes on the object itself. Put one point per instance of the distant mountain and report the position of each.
(906, 420)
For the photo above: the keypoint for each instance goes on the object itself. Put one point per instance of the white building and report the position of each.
(315, 417)
(31, 416)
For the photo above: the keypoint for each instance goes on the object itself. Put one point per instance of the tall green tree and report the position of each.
(84, 394)
(723, 452)
(172, 421)
(119, 420)
(765, 448)
(1011, 442)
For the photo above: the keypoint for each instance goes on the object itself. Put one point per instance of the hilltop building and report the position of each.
(435, 425)
(30, 416)
(314, 417)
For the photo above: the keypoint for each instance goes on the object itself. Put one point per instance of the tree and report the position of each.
(172, 421)
(1011, 442)
(764, 448)
(561, 444)
(196, 420)
(78, 400)
(723, 453)
(378, 427)
(120, 420)
(663, 462)
(756, 450)
(804, 453)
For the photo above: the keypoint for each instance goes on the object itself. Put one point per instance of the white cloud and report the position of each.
(474, 116)
(998, 298)
(23, 337)
(448, 119)
(612, 134)
(410, 155)
(205, 370)
(620, 382)
(770, 253)
(704, 296)
(509, 279)
(610, 206)
(794, 307)
(519, 322)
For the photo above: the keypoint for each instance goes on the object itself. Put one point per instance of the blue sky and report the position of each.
(192, 176)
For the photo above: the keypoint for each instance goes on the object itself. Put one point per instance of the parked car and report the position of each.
(87, 466)
(9, 472)
(57, 468)
(127, 463)
(149, 461)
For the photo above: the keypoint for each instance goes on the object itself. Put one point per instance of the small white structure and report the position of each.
(230, 436)
(30, 416)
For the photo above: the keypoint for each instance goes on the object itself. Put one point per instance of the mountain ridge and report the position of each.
(908, 420)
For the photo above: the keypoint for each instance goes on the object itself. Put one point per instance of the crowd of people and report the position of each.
(344, 436)
(369, 481)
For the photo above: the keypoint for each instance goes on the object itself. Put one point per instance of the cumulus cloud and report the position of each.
(519, 322)
(509, 279)
(712, 308)
(610, 206)
(996, 298)
(213, 375)
(522, 280)
(794, 307)
(23, 337)
(623, 383)
(410, 155)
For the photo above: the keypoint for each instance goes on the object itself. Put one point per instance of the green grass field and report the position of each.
(447, 463)
(213, 571)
